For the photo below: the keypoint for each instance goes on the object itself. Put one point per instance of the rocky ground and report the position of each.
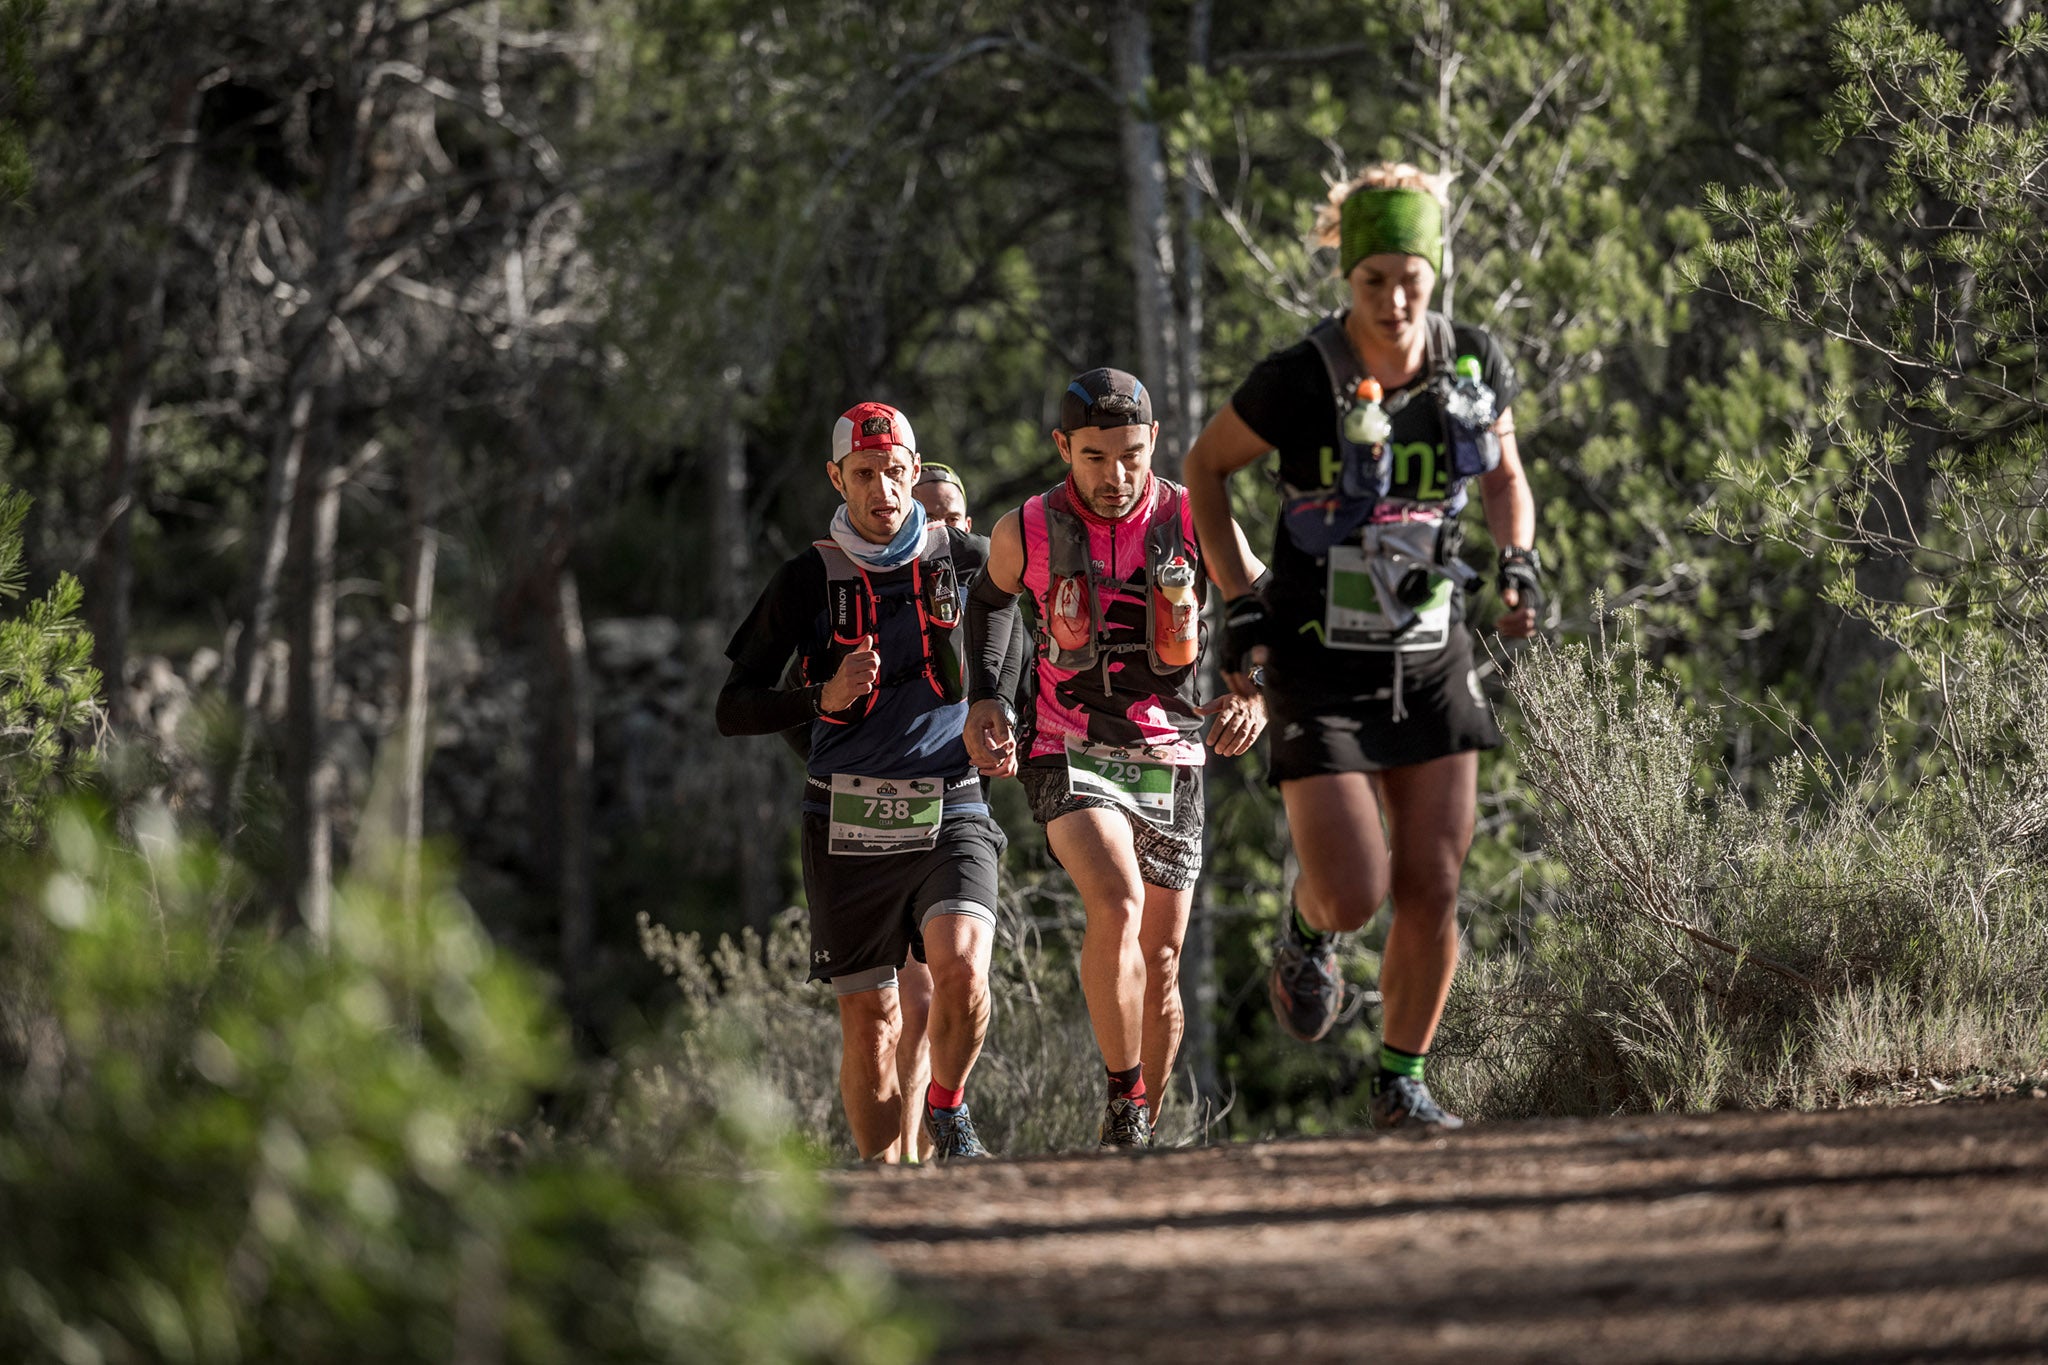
(1865, 1235)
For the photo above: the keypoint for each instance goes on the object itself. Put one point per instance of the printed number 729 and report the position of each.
(1123, 774)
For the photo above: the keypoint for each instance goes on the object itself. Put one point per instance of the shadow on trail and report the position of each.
(1266, 1215)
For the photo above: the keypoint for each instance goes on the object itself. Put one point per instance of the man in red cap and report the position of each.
(899, 849)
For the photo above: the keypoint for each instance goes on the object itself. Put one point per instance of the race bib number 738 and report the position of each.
(876, 815)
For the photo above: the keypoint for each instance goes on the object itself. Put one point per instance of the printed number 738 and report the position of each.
(884, 809)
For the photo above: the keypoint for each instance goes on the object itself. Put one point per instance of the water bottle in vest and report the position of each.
(1173, 610)
(1070, 626)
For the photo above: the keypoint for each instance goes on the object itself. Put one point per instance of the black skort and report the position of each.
(1316, 732)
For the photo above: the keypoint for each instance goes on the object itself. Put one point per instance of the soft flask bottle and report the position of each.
(1173, 613)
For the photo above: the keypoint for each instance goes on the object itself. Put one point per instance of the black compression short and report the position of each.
(866, 912)
(1447, 713)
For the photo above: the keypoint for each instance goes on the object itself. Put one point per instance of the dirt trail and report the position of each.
(1867, 1235)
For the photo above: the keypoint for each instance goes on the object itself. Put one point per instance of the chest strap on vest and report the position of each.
(1071, 629)
(1368, 470)
(853, 610)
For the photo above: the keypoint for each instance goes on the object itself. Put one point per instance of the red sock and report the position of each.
(938, 1097)
(1128, 1085)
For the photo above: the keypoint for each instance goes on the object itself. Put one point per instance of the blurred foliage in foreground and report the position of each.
(219, 1146)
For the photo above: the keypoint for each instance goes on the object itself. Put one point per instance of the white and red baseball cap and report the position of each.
(871, 426)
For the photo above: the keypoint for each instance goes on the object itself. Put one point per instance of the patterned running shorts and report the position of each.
(1170, 857)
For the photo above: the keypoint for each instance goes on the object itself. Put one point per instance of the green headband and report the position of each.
(934, 472)
(1409, 222)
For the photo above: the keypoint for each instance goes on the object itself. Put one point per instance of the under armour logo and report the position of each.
(821, 956)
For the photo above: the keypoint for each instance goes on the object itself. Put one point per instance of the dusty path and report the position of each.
(1869, 1235)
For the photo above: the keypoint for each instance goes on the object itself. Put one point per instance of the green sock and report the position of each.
(1394, 1062)
(1309, 933)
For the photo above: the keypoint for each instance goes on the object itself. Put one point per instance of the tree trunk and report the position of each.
(113, 565)
(422, 551)
(751, 772)
(252, 645)
(312, 778)
(1198, 953)
(1192, 407)
(308, 368)
(1151, 228)
(572, 720)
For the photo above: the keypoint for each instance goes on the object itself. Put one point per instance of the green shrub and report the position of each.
(1846, 929)
(49, 690)
(1036, 1088)
(217, 1147)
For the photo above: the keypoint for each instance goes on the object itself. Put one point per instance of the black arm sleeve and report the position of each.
(751, 704)
(754, 700)
(1015, 657)
(993, 659)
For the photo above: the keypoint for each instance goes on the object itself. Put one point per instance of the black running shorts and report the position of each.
(868, 913)
(1446, 713)
(1169, 857)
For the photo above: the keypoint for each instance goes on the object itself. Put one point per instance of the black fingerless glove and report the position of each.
(1244, 625)
(1522, 570)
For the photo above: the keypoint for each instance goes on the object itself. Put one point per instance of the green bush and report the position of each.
(220, 1147)
(1845, 930)
(1036, 1088)
(49, 690)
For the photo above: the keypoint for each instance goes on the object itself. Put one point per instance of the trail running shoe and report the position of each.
(1125, 1126)
(952, 1133)
(1404, 1102)
(1305, 989)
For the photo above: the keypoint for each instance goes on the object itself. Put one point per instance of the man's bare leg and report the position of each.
(1160, 934)
(957, 948)
(869, 1025)
(914, 1054)
(1096, 848)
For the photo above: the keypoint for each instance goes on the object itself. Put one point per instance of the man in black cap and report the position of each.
(1111, 758)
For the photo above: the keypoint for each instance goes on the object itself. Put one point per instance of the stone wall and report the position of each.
(662, 771)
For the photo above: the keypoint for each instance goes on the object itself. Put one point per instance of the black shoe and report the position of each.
(1405, 1102)
(1305, 989)
(952, 1133)
(1125, 1126)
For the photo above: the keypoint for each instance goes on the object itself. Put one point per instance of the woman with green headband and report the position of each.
(1383, 419)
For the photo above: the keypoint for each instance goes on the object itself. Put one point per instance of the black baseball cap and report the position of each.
(1105, 398)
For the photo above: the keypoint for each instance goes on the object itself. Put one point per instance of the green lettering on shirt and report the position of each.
(1409, 450)
(1434, 486)
(1331, 467)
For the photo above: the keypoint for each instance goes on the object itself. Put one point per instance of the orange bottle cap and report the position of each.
(1369, 389)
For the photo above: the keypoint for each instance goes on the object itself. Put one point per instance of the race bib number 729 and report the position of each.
(1139, 783)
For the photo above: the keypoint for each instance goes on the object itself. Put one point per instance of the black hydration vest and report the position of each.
(1316, 519)
(852, 611)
